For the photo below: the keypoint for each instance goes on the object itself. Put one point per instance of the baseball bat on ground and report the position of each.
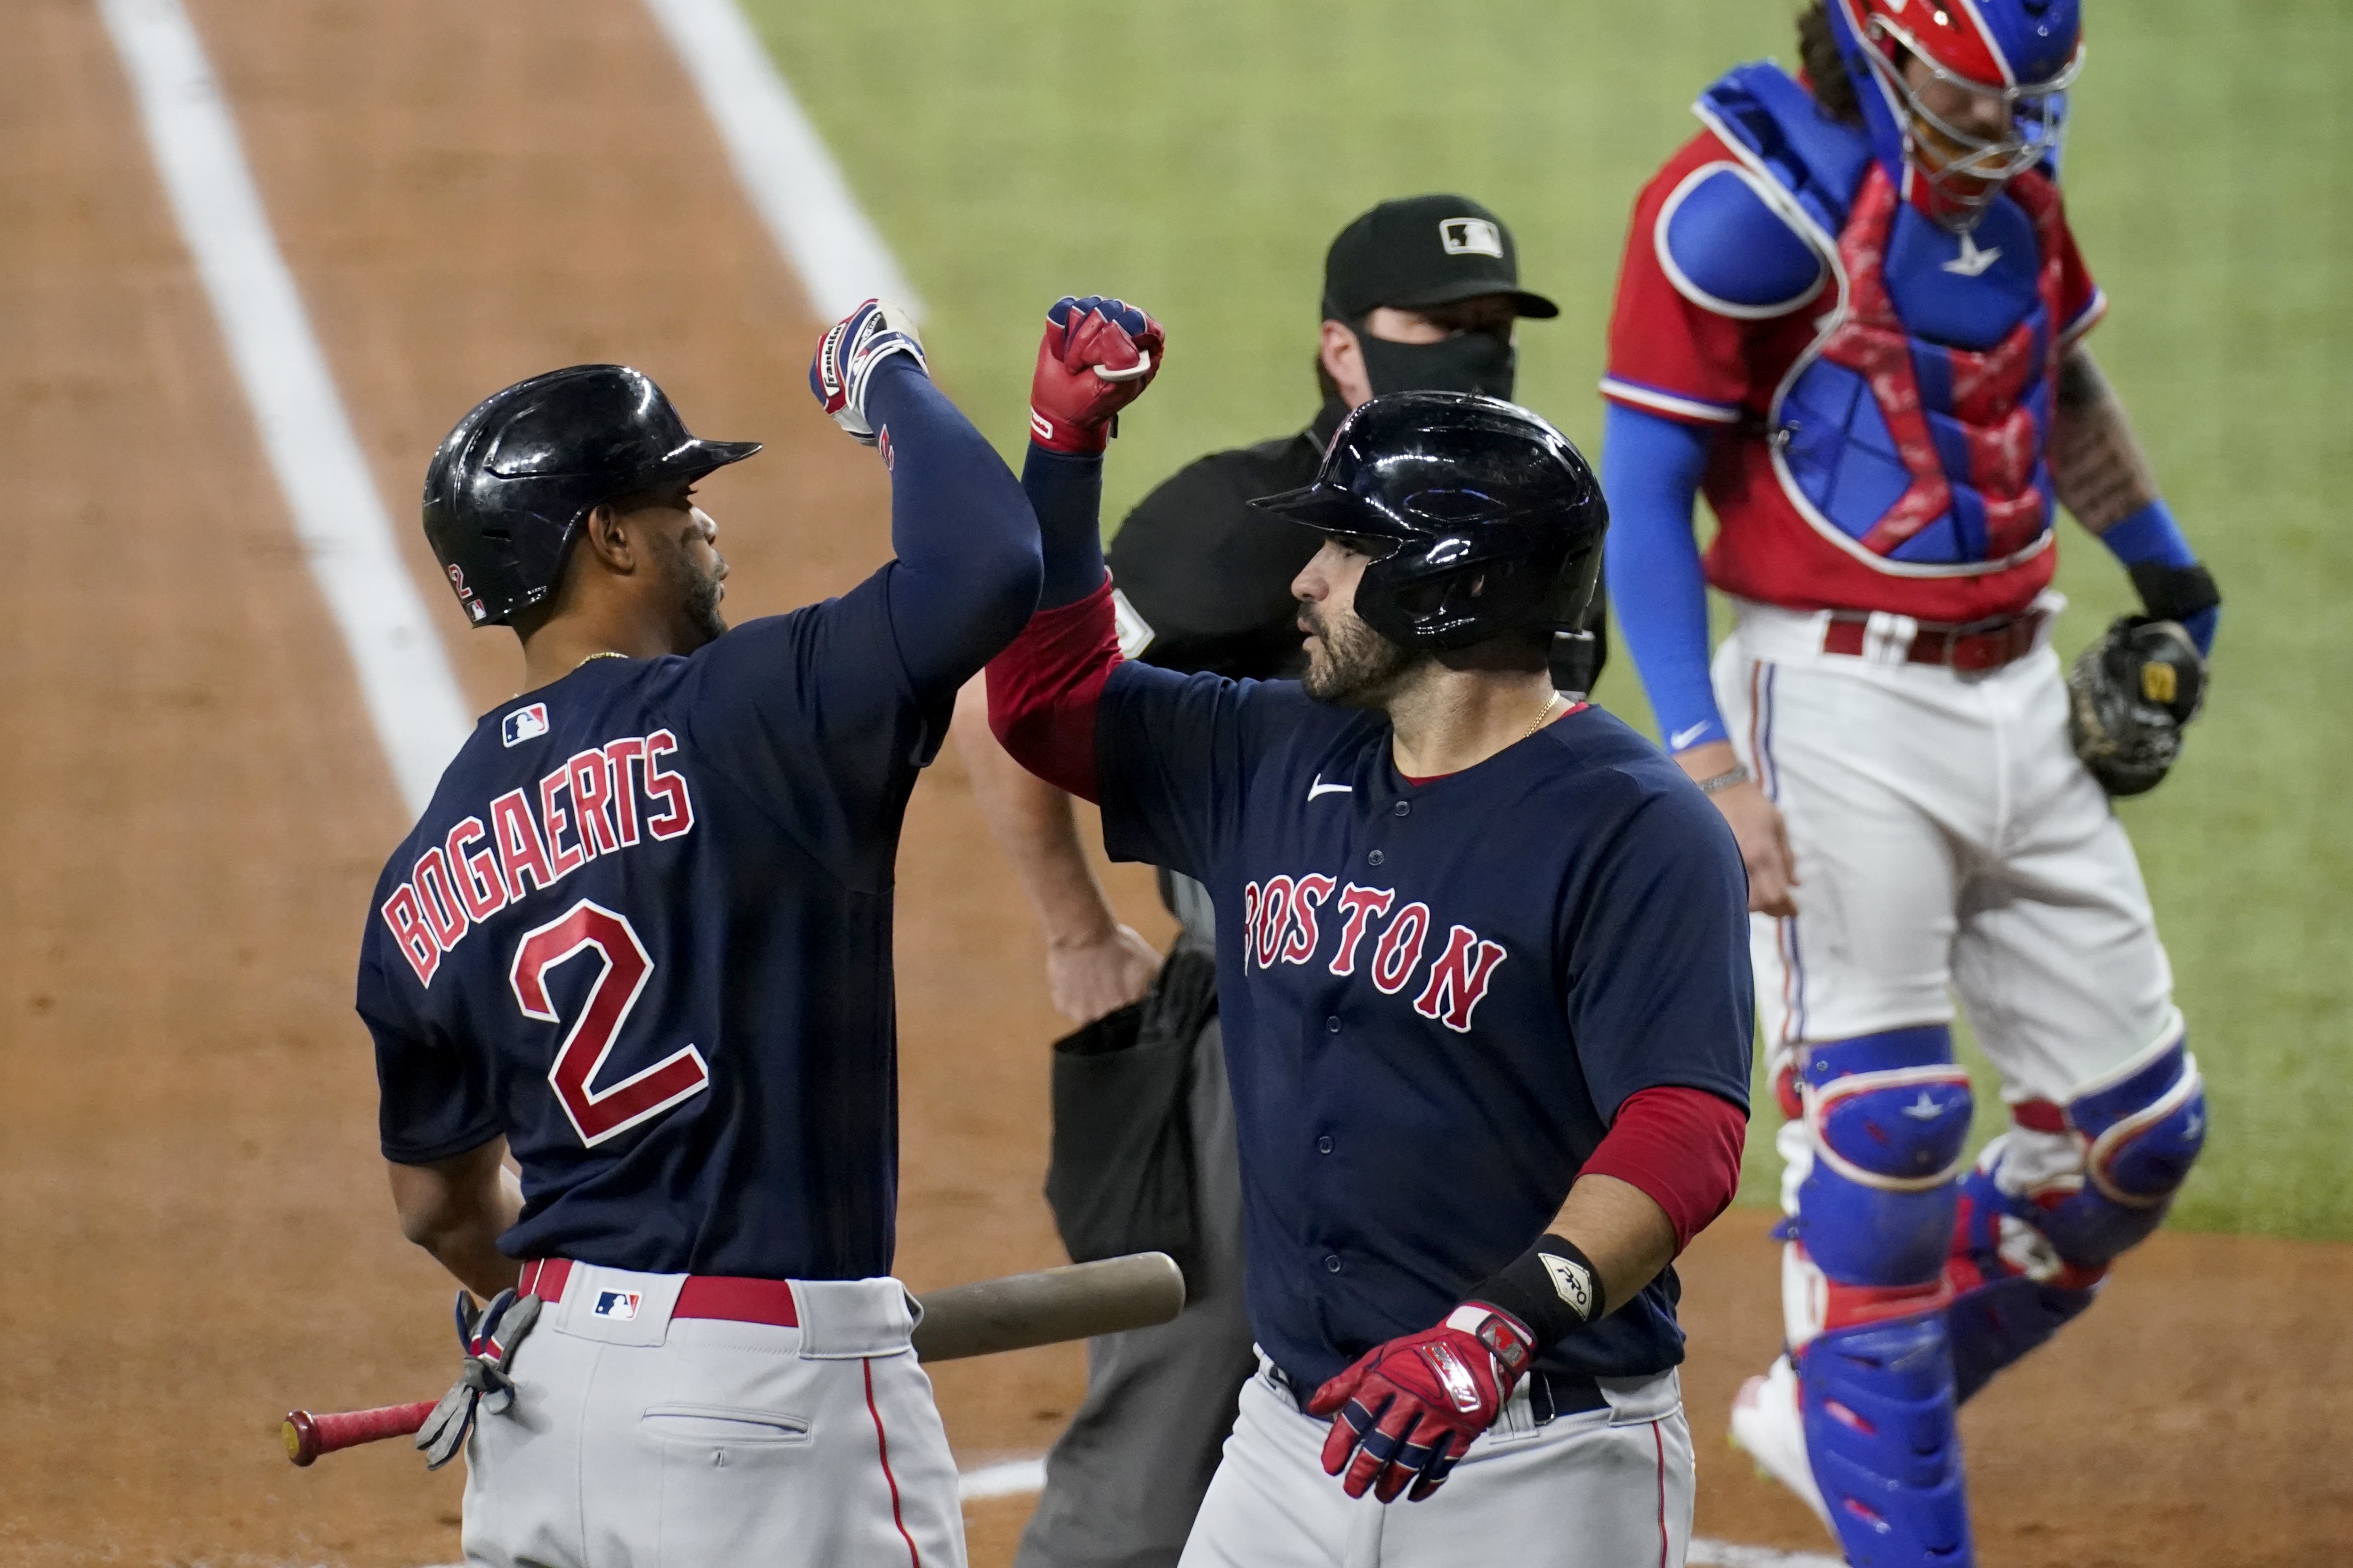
(1077, 1301)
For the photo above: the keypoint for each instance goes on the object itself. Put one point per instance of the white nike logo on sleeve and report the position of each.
(1682, 738)
(1320, 787)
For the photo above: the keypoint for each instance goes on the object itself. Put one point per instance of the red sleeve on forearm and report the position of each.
(1043, 690)
(1681, 1148)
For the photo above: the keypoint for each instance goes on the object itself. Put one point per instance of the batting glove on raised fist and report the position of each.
(846, 356)
(489, 1336)
(1097, 357)
(1407, 1410)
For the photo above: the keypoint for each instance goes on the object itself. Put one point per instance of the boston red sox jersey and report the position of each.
(1435, 997)
(1884, 385)
(644, 931)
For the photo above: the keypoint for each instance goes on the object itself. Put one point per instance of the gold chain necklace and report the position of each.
(608, 654)
(1541, 718)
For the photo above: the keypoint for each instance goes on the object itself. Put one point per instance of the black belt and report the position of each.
(1550, 1393)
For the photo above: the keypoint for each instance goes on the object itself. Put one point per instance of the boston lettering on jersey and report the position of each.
(1282, 918)
(599, 801)
(1437, 994)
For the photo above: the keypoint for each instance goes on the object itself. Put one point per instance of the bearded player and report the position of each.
(1482, 965)
(1852, 314)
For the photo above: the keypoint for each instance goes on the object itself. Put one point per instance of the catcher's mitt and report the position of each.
(2128, 696)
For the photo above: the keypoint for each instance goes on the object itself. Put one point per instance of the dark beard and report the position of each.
(1358, 667)
(697, 593)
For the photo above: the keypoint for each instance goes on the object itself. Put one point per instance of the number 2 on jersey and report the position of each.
(599, 1114)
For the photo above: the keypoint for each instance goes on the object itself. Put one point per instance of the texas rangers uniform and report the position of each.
(1865, 395)
(643, 932)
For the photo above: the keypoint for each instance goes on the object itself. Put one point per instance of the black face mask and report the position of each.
(1467, 361)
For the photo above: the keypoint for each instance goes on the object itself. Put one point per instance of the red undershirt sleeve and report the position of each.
(1681, 1148)
(1045, 689)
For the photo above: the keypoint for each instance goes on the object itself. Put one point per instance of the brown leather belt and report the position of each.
(1980, 645)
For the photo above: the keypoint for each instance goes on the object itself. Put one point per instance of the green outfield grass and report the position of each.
(1198, 158)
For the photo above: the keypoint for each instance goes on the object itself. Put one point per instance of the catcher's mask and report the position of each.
(1484, 518)
(2024, 53)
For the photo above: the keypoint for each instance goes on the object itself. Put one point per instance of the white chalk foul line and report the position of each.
(412, 699)
(783, 163)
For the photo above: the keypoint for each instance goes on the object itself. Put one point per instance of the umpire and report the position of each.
(1418, 294)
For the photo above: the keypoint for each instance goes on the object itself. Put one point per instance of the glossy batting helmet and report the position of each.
(2026, 53)
(1482, 517)
(507, 492)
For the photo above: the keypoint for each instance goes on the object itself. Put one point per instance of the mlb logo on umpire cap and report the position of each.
(1470, 236)
(617, 1304)
(524, 725)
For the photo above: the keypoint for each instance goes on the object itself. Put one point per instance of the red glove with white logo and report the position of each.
(1409, 1408)
(1097, 357)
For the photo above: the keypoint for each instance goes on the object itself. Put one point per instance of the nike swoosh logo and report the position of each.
(1682, 738)
(1320, 787)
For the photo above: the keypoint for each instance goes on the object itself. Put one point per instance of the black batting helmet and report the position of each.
(1493, 520)
(507, 492)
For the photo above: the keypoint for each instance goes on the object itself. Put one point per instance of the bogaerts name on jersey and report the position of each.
(601, 800)
(1285, 918)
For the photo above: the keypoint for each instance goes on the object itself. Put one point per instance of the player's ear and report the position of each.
(606, 534)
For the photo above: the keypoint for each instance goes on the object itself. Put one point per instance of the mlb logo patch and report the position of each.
(619, 1305)
(1470, 236)
(524, 725)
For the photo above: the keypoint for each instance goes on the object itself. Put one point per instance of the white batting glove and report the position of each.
(849, 353)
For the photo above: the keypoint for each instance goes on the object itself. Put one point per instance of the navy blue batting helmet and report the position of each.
(506, 493)
(1483, 519)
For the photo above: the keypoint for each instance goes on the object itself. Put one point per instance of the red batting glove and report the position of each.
(1409, 1409)
(1097, 357)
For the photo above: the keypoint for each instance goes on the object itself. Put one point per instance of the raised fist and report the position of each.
(1097, 357)
(847, 355)
(1407, 1410)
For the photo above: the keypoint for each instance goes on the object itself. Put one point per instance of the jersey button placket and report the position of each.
(1374, 857)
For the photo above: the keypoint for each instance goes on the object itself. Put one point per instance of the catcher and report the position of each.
(1854, 314)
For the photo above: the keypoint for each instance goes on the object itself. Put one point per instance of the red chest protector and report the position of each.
(1968, 427)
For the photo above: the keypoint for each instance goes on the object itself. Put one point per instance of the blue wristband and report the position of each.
(2153, 547)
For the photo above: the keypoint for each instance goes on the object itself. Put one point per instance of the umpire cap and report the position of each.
(506, 493)
(1421, 252)
(1491, 519)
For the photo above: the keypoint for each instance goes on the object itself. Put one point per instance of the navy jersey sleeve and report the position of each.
(1172, 753)
(432, 1100)
(1657, 951)
(812, 714)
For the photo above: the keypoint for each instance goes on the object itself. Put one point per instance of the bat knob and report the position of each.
(301, 1435)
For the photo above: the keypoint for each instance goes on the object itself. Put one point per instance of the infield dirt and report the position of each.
(195, 1230)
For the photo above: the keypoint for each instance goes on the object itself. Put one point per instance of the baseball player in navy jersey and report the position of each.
(640, 941)
(1483, 966)
(1418, 294)
(1853, 312)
